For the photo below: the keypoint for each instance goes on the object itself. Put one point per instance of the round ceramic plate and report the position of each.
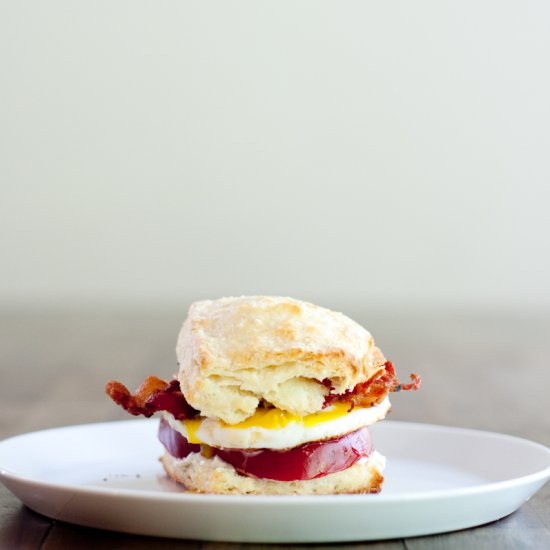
(437, 479)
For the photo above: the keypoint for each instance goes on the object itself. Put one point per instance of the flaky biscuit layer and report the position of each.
(237, 352)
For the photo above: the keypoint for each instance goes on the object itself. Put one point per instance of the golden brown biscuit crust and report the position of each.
(237, 352)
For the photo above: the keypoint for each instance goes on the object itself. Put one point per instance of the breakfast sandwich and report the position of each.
(273, 396)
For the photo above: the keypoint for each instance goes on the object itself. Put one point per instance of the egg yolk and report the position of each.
(273, 419)
(192, 425)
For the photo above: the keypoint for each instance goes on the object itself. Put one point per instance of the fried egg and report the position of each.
(277, 429)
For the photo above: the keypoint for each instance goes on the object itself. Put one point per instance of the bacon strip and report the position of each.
(152, 396)
(374, 390)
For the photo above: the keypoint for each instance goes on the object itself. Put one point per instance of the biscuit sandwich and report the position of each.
(273, 396)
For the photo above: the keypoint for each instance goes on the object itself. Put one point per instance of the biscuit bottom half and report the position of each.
(212, 475)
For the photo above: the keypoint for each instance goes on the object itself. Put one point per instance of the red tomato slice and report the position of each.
(307, 461)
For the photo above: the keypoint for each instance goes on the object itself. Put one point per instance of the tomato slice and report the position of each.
(308, 461)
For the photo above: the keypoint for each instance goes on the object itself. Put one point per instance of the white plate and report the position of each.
(437, 479)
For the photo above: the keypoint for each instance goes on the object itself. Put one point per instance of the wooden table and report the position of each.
(486, 371)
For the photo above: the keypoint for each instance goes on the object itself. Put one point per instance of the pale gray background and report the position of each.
(393, 154)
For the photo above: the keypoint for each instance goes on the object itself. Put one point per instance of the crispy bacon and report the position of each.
(152, 396)
(373, 391)
(156, 394)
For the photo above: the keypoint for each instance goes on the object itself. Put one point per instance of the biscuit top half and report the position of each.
(237, 353)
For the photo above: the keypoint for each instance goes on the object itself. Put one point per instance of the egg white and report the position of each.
(214, 433)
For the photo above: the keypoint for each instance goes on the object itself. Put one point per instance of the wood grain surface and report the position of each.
(487, 370)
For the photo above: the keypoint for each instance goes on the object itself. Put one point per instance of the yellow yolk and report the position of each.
(192, 425)
(336, 411)
(272, 419)
(269, 419)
